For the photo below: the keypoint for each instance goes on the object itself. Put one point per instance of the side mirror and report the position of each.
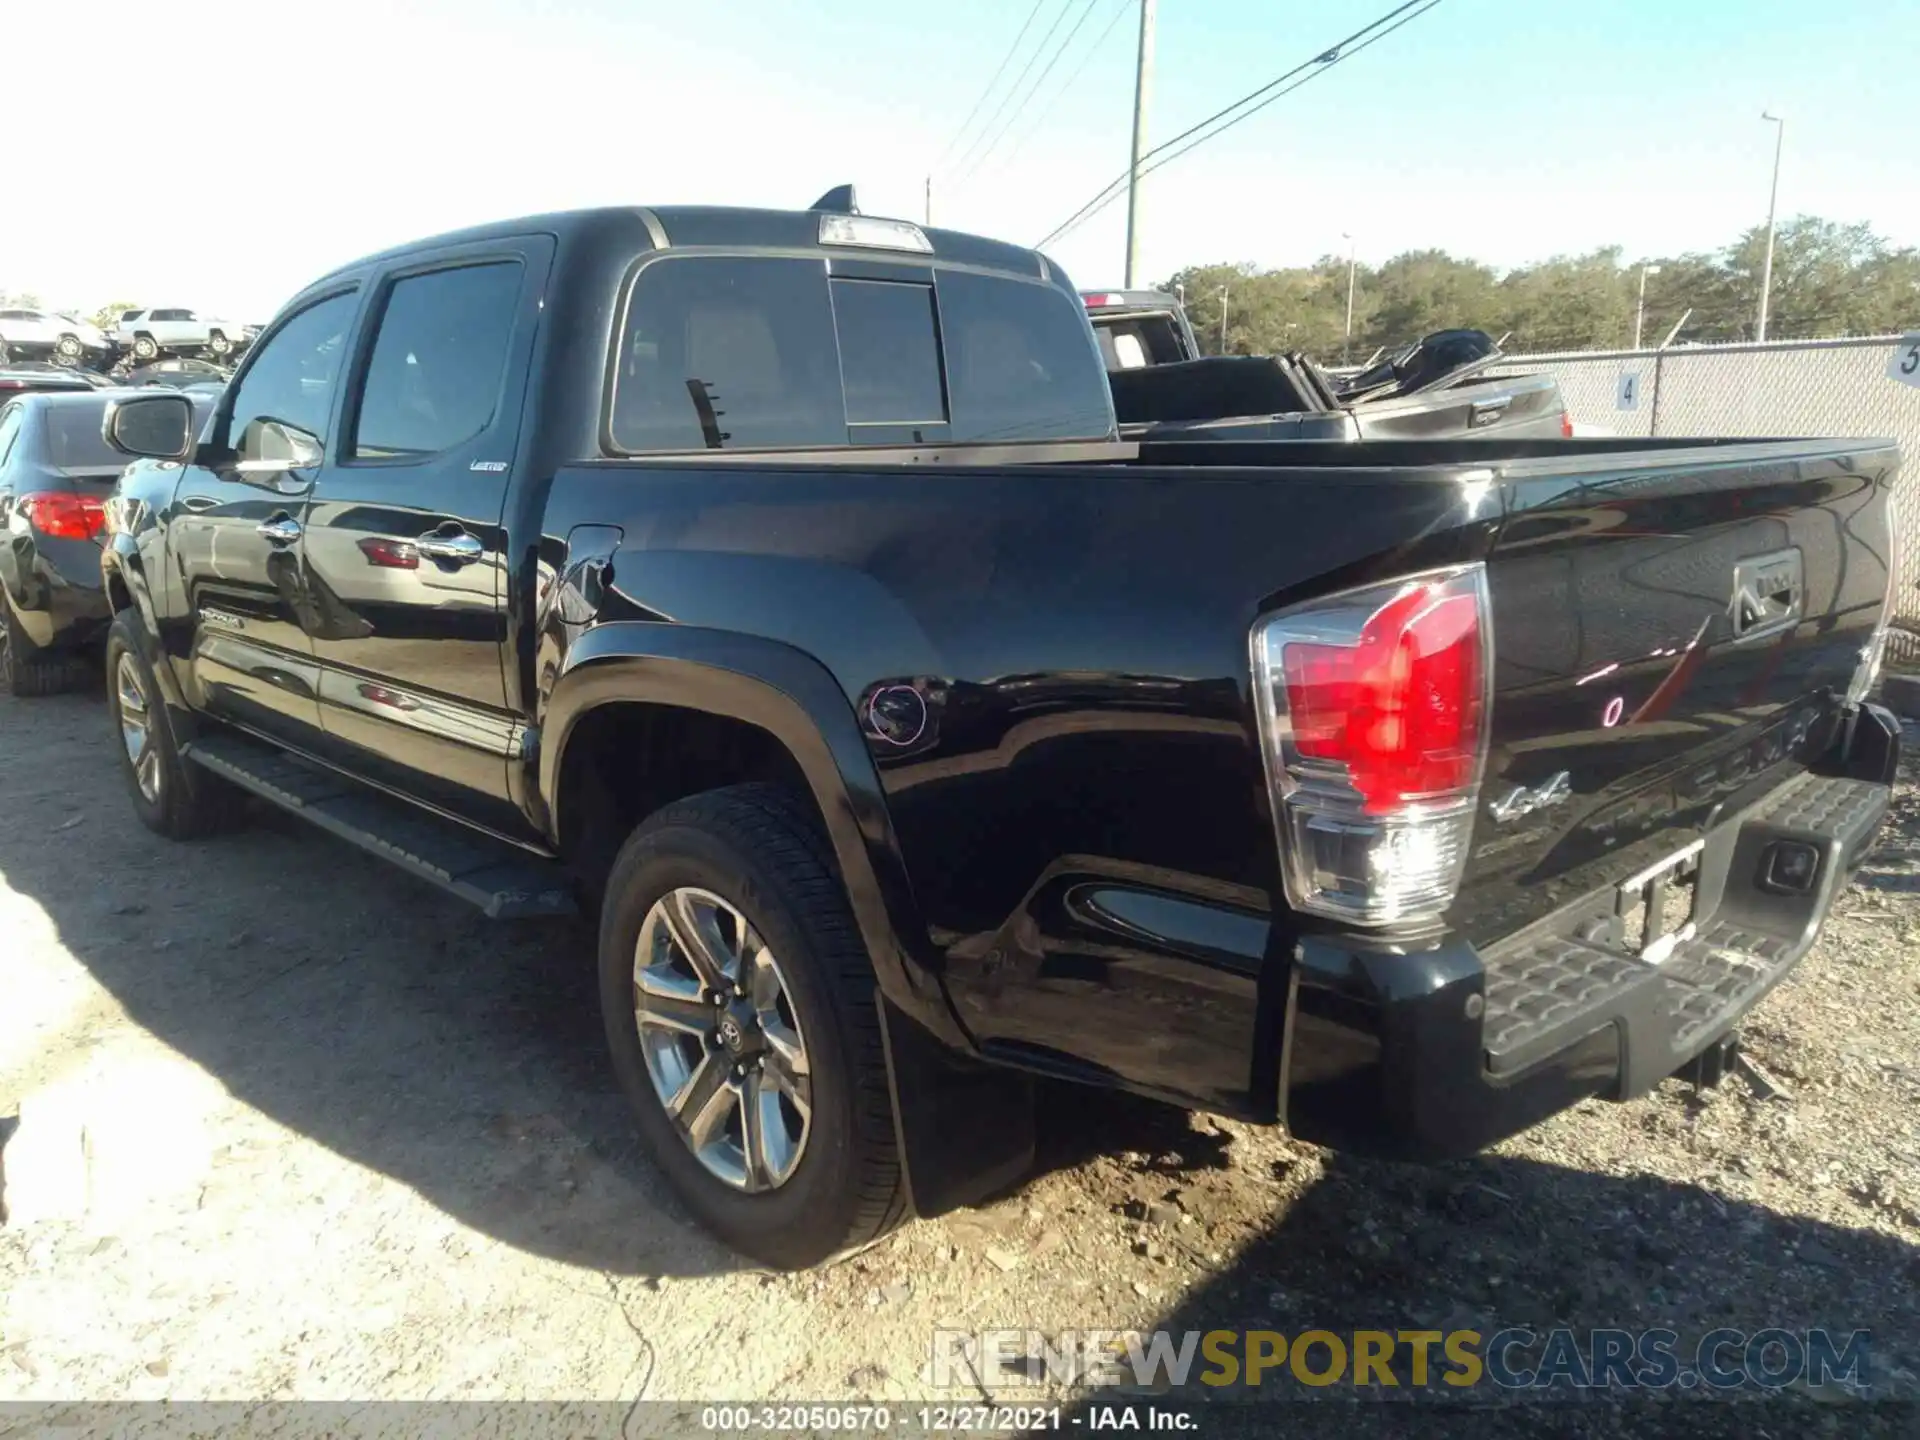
(150, 427)
(279, 447)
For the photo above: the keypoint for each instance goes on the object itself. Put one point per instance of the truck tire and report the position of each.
(29, 672)
(172, 796)
(145, 347)
(789, 1053)
(68, 350)
(218, 343)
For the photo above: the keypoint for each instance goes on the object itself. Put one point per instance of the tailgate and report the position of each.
(1672, 638)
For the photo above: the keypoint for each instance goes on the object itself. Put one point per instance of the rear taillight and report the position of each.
(65, 516)
(1373, 711)
(1566, 424)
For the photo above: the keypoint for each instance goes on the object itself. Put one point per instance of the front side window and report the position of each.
(438, 361)
(291, 380)
(1020, 364)
(729, 353)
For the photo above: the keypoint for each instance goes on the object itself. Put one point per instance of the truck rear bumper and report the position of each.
(1441, 1053)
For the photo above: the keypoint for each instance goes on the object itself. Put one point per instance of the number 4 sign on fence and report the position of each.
(1905, 364)
(1627, 397)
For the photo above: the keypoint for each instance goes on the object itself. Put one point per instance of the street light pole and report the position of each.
(1773, 199)
(1640, 307)
(1223, 319)
(1142, 85)
(1346, 353)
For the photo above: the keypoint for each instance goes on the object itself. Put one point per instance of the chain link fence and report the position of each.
(1831, 388)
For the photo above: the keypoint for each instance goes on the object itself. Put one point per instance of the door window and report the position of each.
(439, 361)
(291, 381)
(10, 419)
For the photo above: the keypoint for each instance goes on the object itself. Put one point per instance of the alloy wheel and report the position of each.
(136, 728)
(721, 1040)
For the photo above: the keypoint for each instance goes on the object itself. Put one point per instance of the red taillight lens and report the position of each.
(388, 554)
(1096, 301)
(65, 516)
(1373, 720)
(1566, 425)
(1400, 709)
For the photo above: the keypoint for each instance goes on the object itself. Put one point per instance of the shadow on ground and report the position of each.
(347, 1002)
(1499, 1242)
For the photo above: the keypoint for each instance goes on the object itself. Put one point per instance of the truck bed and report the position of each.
(1069, 622)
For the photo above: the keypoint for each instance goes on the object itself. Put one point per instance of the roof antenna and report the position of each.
(837, 201)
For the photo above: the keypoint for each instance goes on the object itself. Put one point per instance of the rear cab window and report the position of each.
(764, 352)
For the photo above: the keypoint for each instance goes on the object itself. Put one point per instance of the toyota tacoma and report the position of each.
(776, 586)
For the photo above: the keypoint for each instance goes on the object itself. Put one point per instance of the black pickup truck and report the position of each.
(774, 585)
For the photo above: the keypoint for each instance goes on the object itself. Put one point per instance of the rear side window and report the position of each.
(725, 353)
(438, 361)
(74, 441)
(1020, 364)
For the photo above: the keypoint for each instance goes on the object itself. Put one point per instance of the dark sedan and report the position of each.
(55, 476)
(182, 374)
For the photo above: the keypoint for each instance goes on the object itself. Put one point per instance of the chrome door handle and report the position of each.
(461, 549)
(281, 529)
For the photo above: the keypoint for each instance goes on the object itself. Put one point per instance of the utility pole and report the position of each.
(1346, 352)
(1142, 85)
(1223, 319)
(929, 200)
(1640, 306)
(1773, 199)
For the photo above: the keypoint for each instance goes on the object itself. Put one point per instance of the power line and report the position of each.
(1039, 80)
(999, 70)
(1019, 80)
(1325, 60)
(1072, 80)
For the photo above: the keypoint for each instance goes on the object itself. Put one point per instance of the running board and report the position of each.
(504, 882)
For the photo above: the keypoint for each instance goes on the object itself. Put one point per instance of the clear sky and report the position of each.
(273, 139)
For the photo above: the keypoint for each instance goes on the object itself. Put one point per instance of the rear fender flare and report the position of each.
(794, 698)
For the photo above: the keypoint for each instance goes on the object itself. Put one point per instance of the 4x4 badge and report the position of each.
(1523, 801)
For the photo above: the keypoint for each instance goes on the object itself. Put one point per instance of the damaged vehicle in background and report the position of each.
(1434, 389)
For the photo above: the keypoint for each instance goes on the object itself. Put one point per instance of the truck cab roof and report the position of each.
(726, 227)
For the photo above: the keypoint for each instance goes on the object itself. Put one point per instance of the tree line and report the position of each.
(1829, 279)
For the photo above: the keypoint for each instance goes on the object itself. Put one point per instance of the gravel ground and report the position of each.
(293, 1126)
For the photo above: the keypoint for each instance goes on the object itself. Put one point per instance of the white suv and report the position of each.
(67, 339)
(149, 332)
